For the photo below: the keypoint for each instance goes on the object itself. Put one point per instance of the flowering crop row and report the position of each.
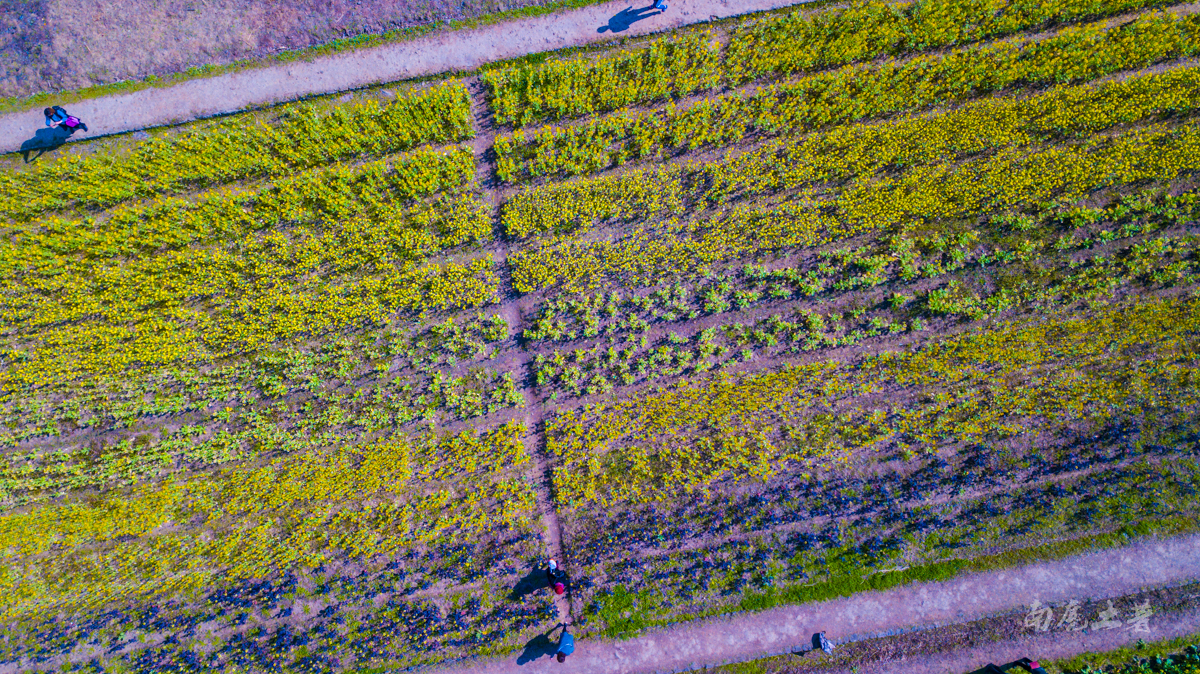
(1156, 262)
(1004, 180)
(361, 502)
(565, 208)
(357, 252)
(580, 86)
(1076, 54)
(391, 239)
(781, 46)
(379, 192)
(262, 407)
(698, 435)
(798, 42)
(1011, 178)
(252, 310)
(851, 151)
(242, 148)
(248, 435)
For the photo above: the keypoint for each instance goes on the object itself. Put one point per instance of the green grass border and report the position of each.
(1123, 655)
(1129, 534)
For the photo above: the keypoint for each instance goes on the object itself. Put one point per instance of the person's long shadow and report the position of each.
(44, 141)
(532, 582)
(537, 647)
(626, 17)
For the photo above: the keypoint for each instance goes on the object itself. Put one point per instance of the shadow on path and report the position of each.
(532, 582)
(539, 646)
(43, 141)
(625, 18)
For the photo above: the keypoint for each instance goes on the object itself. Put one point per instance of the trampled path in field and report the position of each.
(462, 50)
(747, 636)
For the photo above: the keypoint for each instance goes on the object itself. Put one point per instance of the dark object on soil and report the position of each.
(1024, 663)
(537, 647)
(532, 582)
(43, 141)
(623, 19)
(819, 641)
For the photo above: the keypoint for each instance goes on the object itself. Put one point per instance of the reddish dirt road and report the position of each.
(461, 50)
(1098, 575)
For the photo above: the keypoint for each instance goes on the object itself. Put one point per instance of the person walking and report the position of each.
(660, 5)
(56, 117)
(566, 644)
(554, 577)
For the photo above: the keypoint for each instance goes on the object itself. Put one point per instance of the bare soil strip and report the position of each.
(1051, 645)
(747, 636)
(964, 647)
(463, 50)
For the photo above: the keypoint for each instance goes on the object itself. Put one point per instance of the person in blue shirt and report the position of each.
(56, 117)
(566, 645)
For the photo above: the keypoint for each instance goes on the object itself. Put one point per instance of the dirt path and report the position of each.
(462, 50)
(740, 637)
(1051, 645)
(965, 647)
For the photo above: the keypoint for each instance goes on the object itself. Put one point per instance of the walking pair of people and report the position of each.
(555, 577)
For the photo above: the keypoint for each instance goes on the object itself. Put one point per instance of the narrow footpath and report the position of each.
(462, 50)
(748, 636)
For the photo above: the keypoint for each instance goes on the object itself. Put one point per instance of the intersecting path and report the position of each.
(461, 50)
(1098, 575)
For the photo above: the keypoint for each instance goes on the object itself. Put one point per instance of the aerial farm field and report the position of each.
(742, 315)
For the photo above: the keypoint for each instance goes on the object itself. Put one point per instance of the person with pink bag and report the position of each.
(56, 117)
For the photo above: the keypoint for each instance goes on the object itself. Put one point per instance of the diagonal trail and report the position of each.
(462, 50)
(865, 615)
(510, 310)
